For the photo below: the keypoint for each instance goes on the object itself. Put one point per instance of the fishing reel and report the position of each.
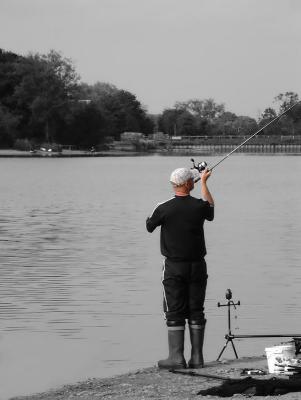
(199, 166)
(228, 294)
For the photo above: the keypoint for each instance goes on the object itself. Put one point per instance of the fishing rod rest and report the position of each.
(229, 336)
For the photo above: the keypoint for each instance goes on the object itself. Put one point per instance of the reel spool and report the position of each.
(199, 166)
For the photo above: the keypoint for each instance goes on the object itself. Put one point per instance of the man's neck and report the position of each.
(181, 194)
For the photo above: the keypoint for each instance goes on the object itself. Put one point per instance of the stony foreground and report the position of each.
(152, 383)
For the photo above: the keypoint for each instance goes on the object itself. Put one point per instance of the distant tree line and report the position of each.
(42, 100)
(207, 118)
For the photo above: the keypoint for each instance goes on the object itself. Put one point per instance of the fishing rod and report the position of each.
(203, 165)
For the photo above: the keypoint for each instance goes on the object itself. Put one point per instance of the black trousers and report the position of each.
(184, 289)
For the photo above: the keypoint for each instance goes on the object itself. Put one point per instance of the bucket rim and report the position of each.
(281, 346)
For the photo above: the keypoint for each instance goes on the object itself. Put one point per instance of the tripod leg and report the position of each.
(234, 349)
(223, 349)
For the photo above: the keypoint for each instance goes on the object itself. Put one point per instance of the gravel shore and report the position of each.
(152, 383)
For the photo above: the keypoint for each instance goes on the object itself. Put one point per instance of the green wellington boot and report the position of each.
(176, 358)
(197, 340)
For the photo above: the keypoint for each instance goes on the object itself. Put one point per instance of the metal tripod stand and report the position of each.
(229, 336)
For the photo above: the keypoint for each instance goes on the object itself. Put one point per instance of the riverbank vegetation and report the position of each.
(43, 101)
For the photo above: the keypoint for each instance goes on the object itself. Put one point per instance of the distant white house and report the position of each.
(159, 136)
(131, 136)
(85, 101)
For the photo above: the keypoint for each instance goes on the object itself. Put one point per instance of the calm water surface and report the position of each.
(80, 289)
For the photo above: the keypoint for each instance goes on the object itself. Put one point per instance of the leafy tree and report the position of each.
(286, 100)
(8, 76)
(44, 94)
(205, 113)
(291, 121)
(268, 115)
(98, 91)
(121, 109)
(9, 118)
(84, 127)
(245, 125)
(123, 112)
(167, 122)
(202, 109)
(130, 111)
(8, 127)
(186, 124)
(224, 124)
(177, 123)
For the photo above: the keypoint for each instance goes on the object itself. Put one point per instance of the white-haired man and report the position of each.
(184, 277)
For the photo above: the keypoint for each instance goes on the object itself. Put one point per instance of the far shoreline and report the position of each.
(11, 153)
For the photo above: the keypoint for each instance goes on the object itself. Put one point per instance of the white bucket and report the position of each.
(278, 355)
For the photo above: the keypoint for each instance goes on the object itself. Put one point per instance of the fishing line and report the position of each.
(203, 165)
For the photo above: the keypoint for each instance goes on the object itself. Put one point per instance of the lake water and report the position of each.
(80, 287)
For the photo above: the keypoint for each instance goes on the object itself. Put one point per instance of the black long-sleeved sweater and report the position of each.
(182, 234)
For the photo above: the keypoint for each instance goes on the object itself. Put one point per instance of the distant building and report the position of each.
(123, 146)
(131, 136)
(159, 136)
(85, 101)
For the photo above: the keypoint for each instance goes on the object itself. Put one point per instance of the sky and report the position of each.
(242, 53)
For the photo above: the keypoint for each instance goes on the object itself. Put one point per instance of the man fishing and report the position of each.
(184, 268)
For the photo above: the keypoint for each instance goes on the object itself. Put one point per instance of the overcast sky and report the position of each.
(239, 52)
